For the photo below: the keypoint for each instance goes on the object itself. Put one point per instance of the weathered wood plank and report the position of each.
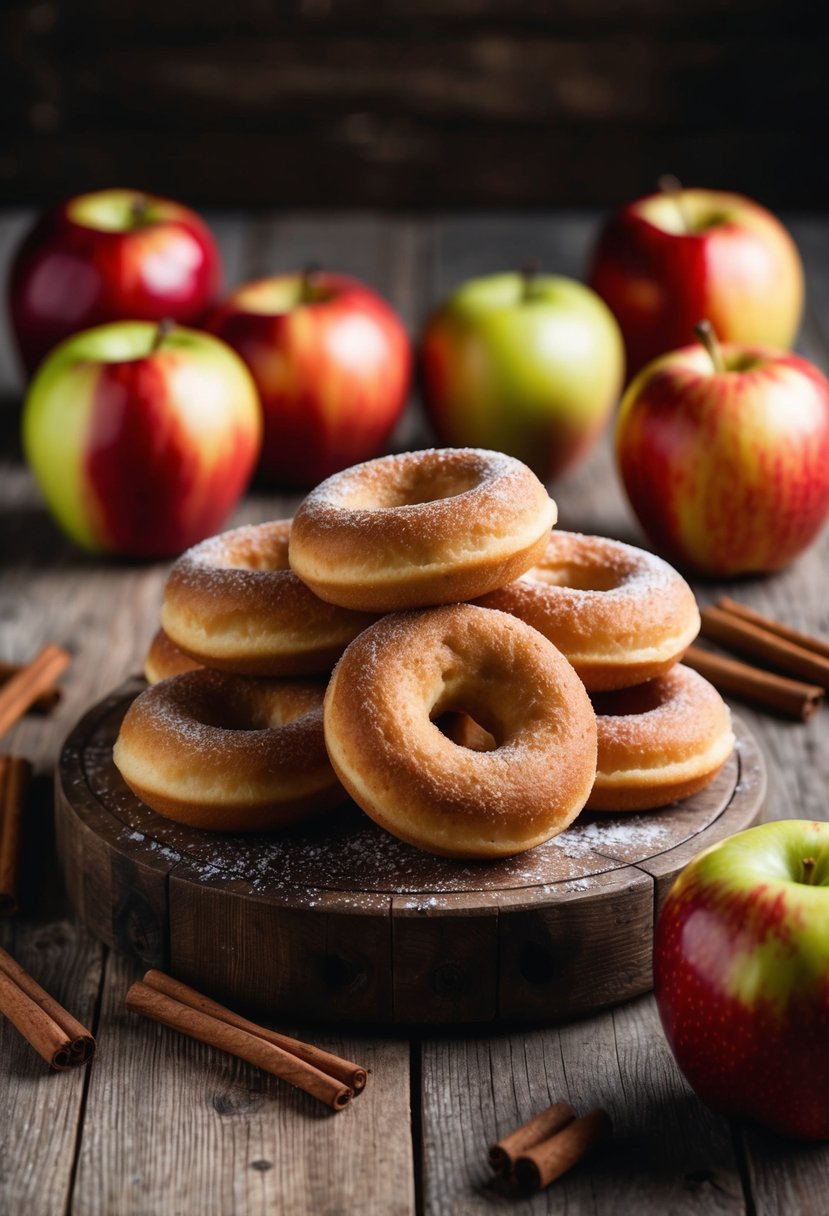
(668, 1152)
(174, 1126)
(39, 1128)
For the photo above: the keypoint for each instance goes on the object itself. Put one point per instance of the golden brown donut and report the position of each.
(164, 659)
(621, 616)
(232, 603)
(429, 527)
(396, 679)
(227, 753)
(659, 742)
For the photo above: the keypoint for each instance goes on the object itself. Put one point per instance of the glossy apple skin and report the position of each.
(534, 373)
(741, 975)
(744, 274)
(728, 472)
(333, 372)
(141, 453)
(68, 276)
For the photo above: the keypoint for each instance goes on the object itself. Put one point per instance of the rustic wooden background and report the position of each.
(413, 103)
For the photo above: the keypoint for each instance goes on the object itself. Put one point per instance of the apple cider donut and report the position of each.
(232, 603)
(226, 753)
(621, 615)
(396, 680)
(659, 742)
(164, 659)
(422, 528)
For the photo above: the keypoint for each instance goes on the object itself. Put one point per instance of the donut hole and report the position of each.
(245, 711)
(578, 576)
(415, 484)
(269, 553)
(462, 729)
(628, 702)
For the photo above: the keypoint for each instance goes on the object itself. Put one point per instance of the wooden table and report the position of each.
(160, 1125)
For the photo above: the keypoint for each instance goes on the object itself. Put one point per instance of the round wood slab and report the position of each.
(343, 922)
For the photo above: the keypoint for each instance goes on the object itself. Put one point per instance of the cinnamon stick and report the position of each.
(806, 640)
(145, 1000)
(25, 686)
(350, 1074)
(53, 1032)
(765, 689)
(503, 1155)
(541, 1165)
(740, 634)
(47, 700)
(15, 775)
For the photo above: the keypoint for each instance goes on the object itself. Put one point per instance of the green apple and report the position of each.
(527, 364)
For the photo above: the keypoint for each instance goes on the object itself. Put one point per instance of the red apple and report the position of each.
(527, 364)
(724, 454)
(332, 363)
(667, 260)
(142, 438)
(741, 974)
(109, 256)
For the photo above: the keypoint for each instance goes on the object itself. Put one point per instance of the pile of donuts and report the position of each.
(420, 639)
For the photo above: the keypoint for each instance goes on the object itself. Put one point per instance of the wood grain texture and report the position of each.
(201, 1132)
(668, 1152)
(40, 1127)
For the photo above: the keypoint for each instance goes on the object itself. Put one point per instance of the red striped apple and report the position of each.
(142, 438)
(741, 974)
(332, 364)
(724, 454)
(108, 256)
(527, 364)
(667, 260)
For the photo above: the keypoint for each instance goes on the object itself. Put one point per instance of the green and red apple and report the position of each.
(667, 260)
(741, 974)
(107, 256)
(142, 437)
(724, 454)
(526, 364)
(332, 363)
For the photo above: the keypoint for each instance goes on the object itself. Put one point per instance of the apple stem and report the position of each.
(139, 207)
(164, 328)
(671, 185)
(529, 273)
(307, 290)
(707, 336)
(808, 869)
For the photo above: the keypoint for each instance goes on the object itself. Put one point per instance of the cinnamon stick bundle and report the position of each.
(734, 630)
(350, 1074)
(253, 1047)
(794, 698)
(23, 688)
(15, 775)
(806, 640)
(539, 1166)
(504, 1154)
(43, 704)
(55, 1035)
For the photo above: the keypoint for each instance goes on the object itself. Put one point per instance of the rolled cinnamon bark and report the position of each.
(503, 1155)
(541, 1165)
(53, 1032)
(760, 643)
(145, 1000)
(15, 775)
(22, 689)
(765, 689)
(350, 1074)
(806, 640)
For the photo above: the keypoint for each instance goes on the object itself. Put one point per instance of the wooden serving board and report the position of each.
(341, 922)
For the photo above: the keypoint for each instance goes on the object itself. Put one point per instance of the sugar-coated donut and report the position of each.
(659, 742)
(164, 659)
(227, 753)
(423, 528)
(232, 603)
(400, 676)
(621, 616)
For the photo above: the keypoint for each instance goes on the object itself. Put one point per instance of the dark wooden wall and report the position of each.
(414, 103)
